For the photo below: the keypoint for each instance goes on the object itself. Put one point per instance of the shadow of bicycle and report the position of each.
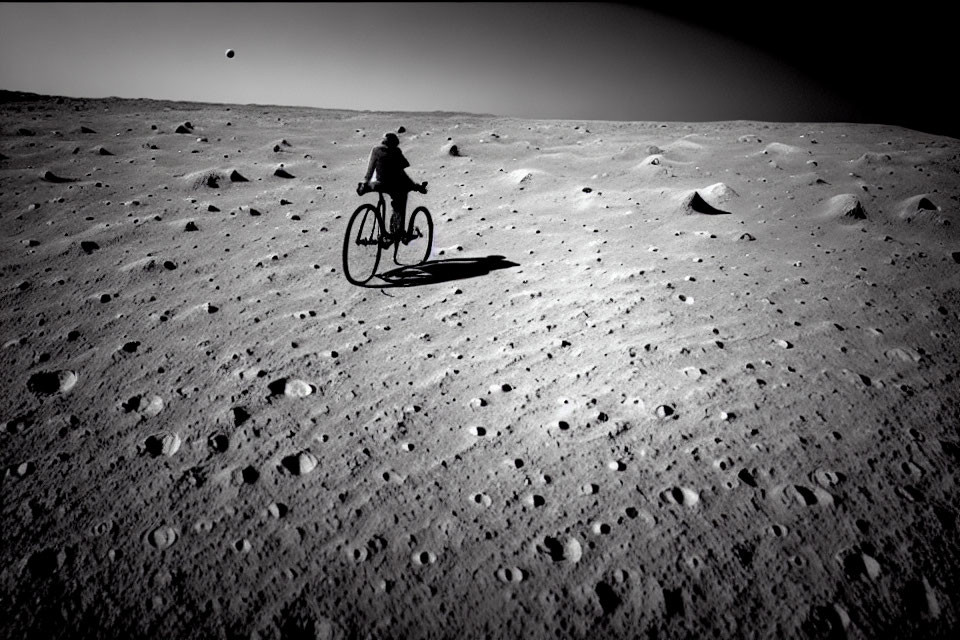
(446, 270)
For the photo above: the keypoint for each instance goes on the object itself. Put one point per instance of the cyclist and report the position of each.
(386, 173)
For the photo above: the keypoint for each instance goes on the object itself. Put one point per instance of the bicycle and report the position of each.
(366, 238)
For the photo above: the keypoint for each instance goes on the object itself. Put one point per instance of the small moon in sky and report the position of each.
(230, 53)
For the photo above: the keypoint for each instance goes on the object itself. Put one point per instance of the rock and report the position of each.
(47, 383)
(694, 203)
(50, 176)
(300, 464)
(719, 193)
(297, 389)
(162, 537)
(570, 551)
(846, 205)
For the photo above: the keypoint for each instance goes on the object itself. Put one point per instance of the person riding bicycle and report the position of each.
(386, 174)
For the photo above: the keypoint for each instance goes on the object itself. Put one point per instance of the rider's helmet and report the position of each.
(391, 140)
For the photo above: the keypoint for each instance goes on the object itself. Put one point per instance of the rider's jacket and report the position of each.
(386, 167)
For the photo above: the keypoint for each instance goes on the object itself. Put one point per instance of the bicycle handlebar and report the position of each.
(364, 188)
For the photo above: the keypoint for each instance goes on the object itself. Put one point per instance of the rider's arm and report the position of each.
(371, 165)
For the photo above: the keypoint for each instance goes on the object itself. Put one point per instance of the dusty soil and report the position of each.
(656, 380)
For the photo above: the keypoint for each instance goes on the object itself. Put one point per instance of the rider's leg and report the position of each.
(398, 200)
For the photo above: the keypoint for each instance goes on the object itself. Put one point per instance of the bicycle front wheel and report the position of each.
(418, 241)
(361, 245)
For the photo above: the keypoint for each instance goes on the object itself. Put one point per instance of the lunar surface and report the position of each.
(656, 379)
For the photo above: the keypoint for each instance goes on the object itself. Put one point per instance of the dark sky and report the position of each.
(588, 61)
(892, 63)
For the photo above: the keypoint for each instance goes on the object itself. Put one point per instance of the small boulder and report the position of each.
(846, 206)
(694, 203)
(50, 176)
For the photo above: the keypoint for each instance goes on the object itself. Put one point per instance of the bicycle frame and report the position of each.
(382, 219)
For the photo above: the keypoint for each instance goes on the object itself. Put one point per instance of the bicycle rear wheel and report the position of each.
(416, 245)
(361, 245)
